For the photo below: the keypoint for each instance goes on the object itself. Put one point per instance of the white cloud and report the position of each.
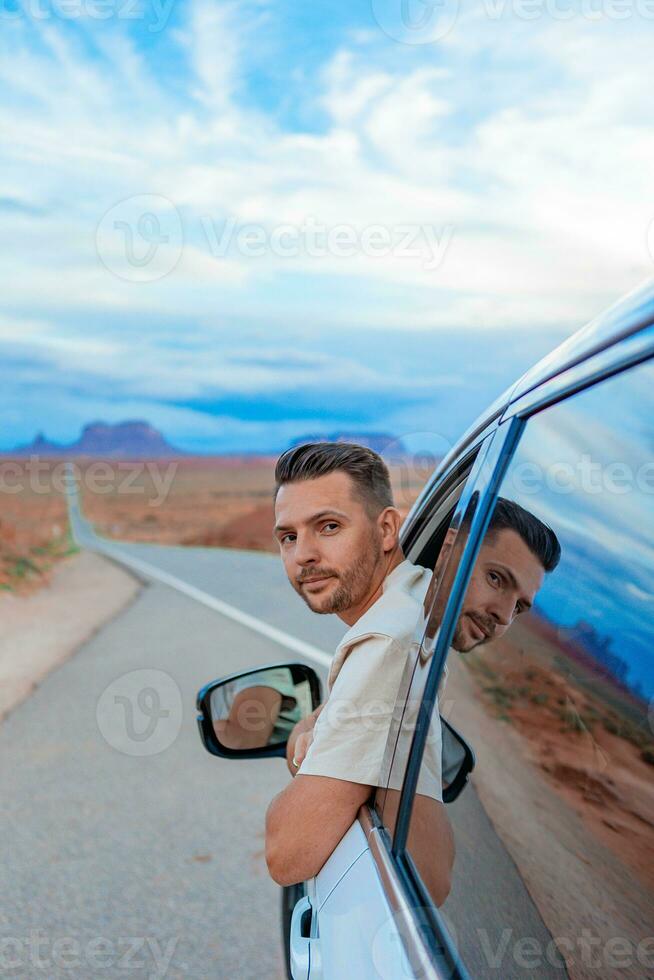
(544, 178)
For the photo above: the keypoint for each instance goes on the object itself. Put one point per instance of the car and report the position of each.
(552, 714)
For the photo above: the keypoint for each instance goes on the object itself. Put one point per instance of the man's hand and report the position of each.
(301, 748)
(297, 741)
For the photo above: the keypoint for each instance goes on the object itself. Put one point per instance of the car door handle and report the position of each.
(305, 951)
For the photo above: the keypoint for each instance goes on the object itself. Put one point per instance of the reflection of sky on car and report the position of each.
(607, 551)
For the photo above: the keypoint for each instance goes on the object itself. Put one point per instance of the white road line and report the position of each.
(258, 625)
(251, 622)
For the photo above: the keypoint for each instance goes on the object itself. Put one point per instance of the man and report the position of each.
(338, 533)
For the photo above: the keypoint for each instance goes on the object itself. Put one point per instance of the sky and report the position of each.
(248, 221)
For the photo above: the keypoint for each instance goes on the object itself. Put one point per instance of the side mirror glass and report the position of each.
(252, 714)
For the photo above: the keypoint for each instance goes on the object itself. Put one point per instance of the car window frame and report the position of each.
(484, 479)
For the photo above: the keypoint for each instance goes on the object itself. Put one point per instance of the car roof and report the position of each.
(630, 315)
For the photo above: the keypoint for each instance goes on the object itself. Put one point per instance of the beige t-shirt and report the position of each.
(350, 734)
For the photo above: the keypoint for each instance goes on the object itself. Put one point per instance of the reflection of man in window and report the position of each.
(517, 551)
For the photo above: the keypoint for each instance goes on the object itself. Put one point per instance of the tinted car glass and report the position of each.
(551, 679)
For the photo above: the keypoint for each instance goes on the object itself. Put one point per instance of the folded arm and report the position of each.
(306, 821)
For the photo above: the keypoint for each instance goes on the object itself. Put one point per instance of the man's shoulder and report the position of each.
(395, 613)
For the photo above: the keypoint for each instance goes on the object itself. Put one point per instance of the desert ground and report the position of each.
(34, 532)
(564, 771)
(224, 502)
(221, 502)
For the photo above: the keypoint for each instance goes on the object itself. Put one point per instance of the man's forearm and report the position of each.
(306, 725)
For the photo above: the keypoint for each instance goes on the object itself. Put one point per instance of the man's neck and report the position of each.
(389, 562)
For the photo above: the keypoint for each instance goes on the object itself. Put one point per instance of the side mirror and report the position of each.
(458, 762)
(250, 715)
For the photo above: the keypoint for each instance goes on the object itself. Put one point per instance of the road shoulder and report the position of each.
(41, 631)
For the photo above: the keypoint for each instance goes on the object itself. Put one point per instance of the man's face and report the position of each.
(330, 546)
(505, 580)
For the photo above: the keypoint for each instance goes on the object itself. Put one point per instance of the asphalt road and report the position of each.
(120, 864)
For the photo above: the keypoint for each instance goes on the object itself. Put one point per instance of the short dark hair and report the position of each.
(538, 536)
(368, 471)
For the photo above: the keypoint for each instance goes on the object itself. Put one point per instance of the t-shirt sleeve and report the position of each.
(350, 734)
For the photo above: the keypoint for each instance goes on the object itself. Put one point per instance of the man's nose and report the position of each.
(306, 550)
(502, 610)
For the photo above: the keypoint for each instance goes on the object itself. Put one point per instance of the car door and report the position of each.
(554, 839)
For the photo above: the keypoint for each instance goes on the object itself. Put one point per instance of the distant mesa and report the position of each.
(380, 442)
(134, 438)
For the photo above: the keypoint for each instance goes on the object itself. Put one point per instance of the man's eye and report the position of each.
(330, 524)
(495, 578)
(285, 538)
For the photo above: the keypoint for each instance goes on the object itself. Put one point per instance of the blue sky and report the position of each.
(516, 151)
(607, 562)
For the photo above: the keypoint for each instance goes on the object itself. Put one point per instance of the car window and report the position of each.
(424, 550)
(551, 679)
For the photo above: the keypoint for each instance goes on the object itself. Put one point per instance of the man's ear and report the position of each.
(389, 523)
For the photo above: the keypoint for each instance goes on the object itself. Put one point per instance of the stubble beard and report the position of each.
(458, 641)
(353, 582)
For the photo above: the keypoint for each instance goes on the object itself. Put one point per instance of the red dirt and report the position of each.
(601, 773)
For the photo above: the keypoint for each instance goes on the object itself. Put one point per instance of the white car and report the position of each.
(554, 867)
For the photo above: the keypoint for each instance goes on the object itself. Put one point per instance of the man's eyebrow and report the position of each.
(513, 580)
(314, 517)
